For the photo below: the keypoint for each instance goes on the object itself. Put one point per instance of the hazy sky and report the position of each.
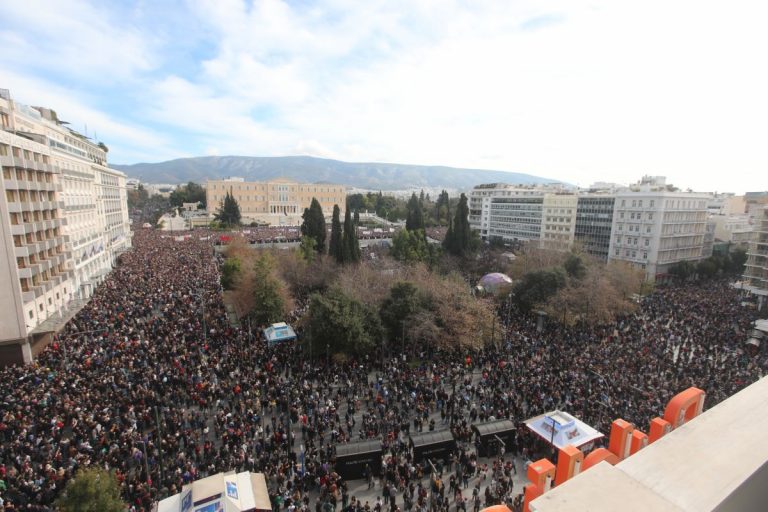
(581, 91)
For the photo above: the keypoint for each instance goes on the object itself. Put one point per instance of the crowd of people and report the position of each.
(150, 381)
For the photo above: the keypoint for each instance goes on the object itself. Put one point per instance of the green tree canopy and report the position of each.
(229, 271)
(350, 250)
(736, 260)
(682, 270)
(401, 306)
(307, 249)
(574, 267)
(138, 198)
(443, 208)
(91, 490)
(229, 211)
(190, 193)
(415, 217)
(341, 324)
(268, 304)
(412, 247)
(314, 224)
(458, 240)
(535, 288)
(335, 248)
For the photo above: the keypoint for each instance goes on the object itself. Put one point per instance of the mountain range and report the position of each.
(307, 169)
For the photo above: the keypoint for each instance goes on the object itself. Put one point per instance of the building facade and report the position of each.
(64, 217)
(517, 213)
(274, 202)
(756, 268)
(649, 224)
(594, 220)
(655, 227)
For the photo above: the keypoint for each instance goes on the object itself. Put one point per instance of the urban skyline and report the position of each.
(577, 91)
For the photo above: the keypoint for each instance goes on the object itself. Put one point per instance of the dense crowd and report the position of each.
(151, 381)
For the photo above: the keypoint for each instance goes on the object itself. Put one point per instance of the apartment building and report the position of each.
(756, 269)
(655, 226)
(275, 202)
(649, 224)
(523, 213)
(594, 221)
(64, 217)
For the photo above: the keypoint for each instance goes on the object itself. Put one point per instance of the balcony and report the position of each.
(21, 252)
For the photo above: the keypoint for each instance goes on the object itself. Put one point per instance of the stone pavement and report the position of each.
(359, 488)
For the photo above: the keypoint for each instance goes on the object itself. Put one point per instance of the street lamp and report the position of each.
(402, 322)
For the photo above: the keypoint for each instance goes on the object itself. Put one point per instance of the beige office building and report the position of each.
(63, 222)
(279, 202)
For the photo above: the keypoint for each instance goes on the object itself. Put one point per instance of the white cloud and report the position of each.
(125, 140)
(75, 38)
(580, 90)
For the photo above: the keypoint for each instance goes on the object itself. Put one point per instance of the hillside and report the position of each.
(374, 176)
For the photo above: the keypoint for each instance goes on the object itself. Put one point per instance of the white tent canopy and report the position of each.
(561, 429)
(278, 332)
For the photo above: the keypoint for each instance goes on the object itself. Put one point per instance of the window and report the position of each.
(652, 201)
(645, 255)
(31, 313)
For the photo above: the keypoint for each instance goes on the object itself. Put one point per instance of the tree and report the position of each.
(736, 260)
(229, 271)
(91, 490)
(415, 217)
(536, 288)
(412, 247)
(190, 193)
(592, 299)
(458, 240)
(707, 269)
(268, 305)
(138, 198)
(340, 324)
(350, 251)
(335, 248)
(682, 270)
(314, 225)
(357, 217)
(228, 213)
(442, 205)
(401, 305)
(307, 249)
(574, 267)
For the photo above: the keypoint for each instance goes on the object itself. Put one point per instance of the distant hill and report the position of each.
(307, 169)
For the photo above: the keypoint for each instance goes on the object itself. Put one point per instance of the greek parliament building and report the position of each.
(649, 224)
(63, 221)
(276, 202)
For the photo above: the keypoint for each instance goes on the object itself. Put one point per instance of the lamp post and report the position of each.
(402, 322)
